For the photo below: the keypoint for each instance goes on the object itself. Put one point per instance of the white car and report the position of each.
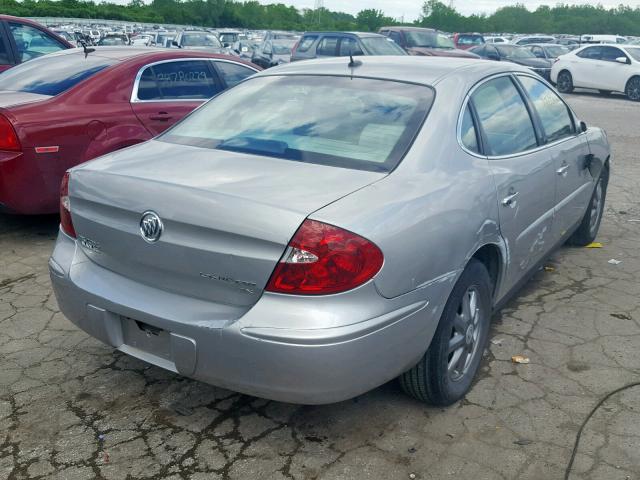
(608, 68)
(496, 40)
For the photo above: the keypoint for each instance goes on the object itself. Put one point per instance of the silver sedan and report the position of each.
(327, 226)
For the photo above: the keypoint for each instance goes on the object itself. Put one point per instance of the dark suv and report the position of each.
(424, 42)
(342, 44)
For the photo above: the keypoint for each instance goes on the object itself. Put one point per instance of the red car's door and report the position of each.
(164, 92)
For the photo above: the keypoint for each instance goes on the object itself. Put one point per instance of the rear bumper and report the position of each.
(293, 349)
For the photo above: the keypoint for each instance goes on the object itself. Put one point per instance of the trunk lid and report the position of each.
(9, 99)
(227, 217)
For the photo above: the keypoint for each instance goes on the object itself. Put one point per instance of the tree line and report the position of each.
(571, 19)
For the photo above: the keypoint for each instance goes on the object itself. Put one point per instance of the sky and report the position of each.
(410, 9)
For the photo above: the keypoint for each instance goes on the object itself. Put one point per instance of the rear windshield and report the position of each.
(381, 46)
(52, 74)
(340, 121)
(470, 40)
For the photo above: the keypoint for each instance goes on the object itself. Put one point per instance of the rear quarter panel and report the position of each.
(433, 212)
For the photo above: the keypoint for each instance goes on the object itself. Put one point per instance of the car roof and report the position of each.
(545, 45)
(337, 34)
(410, 29)
(413, 69)
(124, 53)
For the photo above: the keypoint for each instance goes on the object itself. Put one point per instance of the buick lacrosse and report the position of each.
(327, 226)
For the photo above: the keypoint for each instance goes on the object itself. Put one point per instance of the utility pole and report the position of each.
(318, 8)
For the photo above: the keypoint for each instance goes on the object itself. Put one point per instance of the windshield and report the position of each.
(555, 52)
(470, 40)
(52, 75)
(381, 46)
(340, 121)
(110, 41)
(635, 53)
(283, 47)
(428, 39)
(200, 40)
(512, 51)
(228, 37)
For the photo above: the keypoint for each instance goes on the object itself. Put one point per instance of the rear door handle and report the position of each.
(510, 200)
(161, 116)
(563, 170)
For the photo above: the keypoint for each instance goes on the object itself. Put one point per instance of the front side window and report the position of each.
(233, 73)
(554, 114)
(180, 80)
(504, 118)
(327, 47)
(53, 74)
(32, 42)
(468, 133)
(609, 54)
(396, 37)
(349, 46)
(340, 121)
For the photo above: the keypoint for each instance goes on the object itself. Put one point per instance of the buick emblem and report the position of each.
(151, 227)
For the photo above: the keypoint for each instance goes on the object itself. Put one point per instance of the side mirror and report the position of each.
(174, 43)
(583, 127)
(624, 60)
(493, 56)
(226, 45)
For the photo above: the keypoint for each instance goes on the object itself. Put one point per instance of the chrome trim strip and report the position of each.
(134, 92)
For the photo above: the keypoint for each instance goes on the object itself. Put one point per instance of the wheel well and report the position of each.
(489, 255)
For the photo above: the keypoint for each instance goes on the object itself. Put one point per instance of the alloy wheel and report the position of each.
(465, 335)
(633, 89)
(565, 83)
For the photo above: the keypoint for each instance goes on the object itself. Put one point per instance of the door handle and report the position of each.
(161, 116)
(563, 170)
(510, 200)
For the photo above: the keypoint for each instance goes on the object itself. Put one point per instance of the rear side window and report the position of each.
(554, 114)
(504, 117)
(592, 53)
(327, 47)
(345, 122)
(306, 42)
(52, 75)
(468, 133)
(182, 80)
(233, 73)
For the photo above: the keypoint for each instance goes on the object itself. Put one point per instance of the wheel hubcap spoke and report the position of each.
(465, 333)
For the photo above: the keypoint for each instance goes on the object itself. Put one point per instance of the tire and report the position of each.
(632, 90)
(456, 342)
(590, 224)
(565, 82)
(605, 92)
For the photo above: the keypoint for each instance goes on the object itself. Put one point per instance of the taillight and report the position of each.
(322, 259)
(65, 208)
(8, 137)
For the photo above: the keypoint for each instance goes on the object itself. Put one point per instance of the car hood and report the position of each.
(531, 62)
(440, 52)
(9, 99)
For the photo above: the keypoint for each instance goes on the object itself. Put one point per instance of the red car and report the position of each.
(465, 41)
(22, 40)
(66, 108)
(424, 42)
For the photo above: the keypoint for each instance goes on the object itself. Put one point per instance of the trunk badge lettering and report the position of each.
(247, 287)
(151, 227)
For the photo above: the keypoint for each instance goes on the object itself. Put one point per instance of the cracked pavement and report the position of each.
(72, 408)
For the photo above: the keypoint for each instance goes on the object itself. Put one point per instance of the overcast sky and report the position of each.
(410, 9)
